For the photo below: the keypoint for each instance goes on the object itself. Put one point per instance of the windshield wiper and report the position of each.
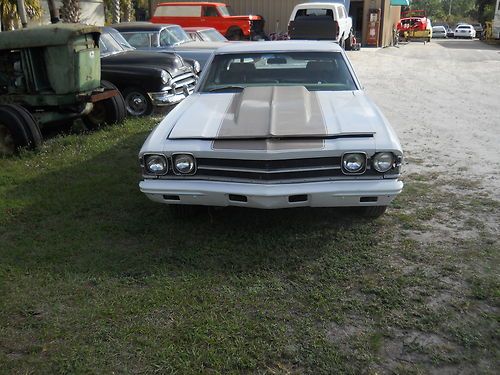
(226, 88)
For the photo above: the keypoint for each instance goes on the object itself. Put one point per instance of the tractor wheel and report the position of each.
(137, 102)
(106, 112)
(18, 129)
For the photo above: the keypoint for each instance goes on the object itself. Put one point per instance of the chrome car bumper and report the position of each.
(272, 196)
(165, 98)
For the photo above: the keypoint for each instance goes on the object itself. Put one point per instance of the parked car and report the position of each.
(414, 25)
(145, 79)
(49, 76)
(450, 33)
(166, 38)
(205, 34)
(209, 14)
(479, 30)
(438, 32)
(321, 21)
(465, 31)
(275, 125)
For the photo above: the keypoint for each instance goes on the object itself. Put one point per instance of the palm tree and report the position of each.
(10, 18)
(70, 11)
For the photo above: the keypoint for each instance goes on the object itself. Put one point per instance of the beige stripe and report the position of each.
(266, 112)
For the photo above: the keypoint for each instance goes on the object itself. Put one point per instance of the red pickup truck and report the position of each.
(208, 14)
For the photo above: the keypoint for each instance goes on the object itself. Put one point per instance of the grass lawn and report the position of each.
(96, 279)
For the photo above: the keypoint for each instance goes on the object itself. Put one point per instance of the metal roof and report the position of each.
(47, 35)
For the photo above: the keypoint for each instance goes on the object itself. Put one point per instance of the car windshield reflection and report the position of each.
(317, 71)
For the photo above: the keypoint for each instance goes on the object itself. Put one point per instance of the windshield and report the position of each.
(172, 36)
(225, 10)
(212, 35)
(317, 71)
(111, 41)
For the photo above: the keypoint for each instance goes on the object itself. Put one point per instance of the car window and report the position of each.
(317, 71)
(173, 35)
(141, 39)
(210, 12)
(178, 11)
(226, 10)
(314, 12)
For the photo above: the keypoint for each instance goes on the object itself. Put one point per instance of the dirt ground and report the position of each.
(443, 99)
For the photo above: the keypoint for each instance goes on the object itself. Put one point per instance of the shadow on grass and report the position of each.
(91, 218)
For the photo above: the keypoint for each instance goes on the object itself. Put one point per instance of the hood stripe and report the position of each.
(267, 112)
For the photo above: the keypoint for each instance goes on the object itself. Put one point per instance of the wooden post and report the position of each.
(53, 11)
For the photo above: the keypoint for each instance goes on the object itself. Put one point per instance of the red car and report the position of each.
(208, 14)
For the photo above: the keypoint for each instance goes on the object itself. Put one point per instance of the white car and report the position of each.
(275, 125)
(438, 32)
(465, 31)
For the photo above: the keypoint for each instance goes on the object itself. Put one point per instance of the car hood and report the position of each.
(278, 112)
(171, 61)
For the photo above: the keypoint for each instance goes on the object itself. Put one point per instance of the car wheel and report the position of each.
(137, 102)
(235, 34)
(373, 212)
(18, 129)
(107, 111)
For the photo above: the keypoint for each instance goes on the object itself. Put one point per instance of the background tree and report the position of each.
(70, 11)
(10, 18)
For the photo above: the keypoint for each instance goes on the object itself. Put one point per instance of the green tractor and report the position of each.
(49, 76)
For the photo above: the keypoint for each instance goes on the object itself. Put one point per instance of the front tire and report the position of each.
(235, 34)
(18, 129)
(137, 102)
(108, 111)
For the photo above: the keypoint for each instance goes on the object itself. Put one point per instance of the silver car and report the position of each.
(275, 125)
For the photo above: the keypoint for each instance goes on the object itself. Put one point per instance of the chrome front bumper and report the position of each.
(273, 196)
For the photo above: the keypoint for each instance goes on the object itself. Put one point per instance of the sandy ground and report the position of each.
(443, 99)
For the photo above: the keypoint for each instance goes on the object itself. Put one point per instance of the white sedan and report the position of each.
(465, 31)
(275, 125)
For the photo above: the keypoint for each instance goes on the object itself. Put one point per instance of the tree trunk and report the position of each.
(115, 11)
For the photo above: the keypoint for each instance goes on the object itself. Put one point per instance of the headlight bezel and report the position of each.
(176, 171)
(374, 160)
(148, 156)
(363, 167)
(165, 77)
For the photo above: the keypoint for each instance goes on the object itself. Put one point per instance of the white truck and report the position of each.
(321, 21)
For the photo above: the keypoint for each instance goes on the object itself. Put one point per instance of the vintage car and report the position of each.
(145, 79)
(205, 34)
(166, 38)
(217, 15)
(275, 125)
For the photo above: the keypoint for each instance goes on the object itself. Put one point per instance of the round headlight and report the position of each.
(156, 164)
(383, 161)
(196, 67)
(184, 164)
(165, 77)
(354, 163)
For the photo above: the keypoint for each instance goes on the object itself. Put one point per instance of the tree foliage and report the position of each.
(10, 17)
(453, 11)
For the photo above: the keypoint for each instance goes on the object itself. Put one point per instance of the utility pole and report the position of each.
(54, 12)
(21, 9)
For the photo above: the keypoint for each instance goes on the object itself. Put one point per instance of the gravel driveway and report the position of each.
(443, 99)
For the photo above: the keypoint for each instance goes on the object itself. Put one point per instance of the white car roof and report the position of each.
(280, 46)
(317, 5)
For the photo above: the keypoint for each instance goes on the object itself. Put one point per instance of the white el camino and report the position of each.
(275, 125)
